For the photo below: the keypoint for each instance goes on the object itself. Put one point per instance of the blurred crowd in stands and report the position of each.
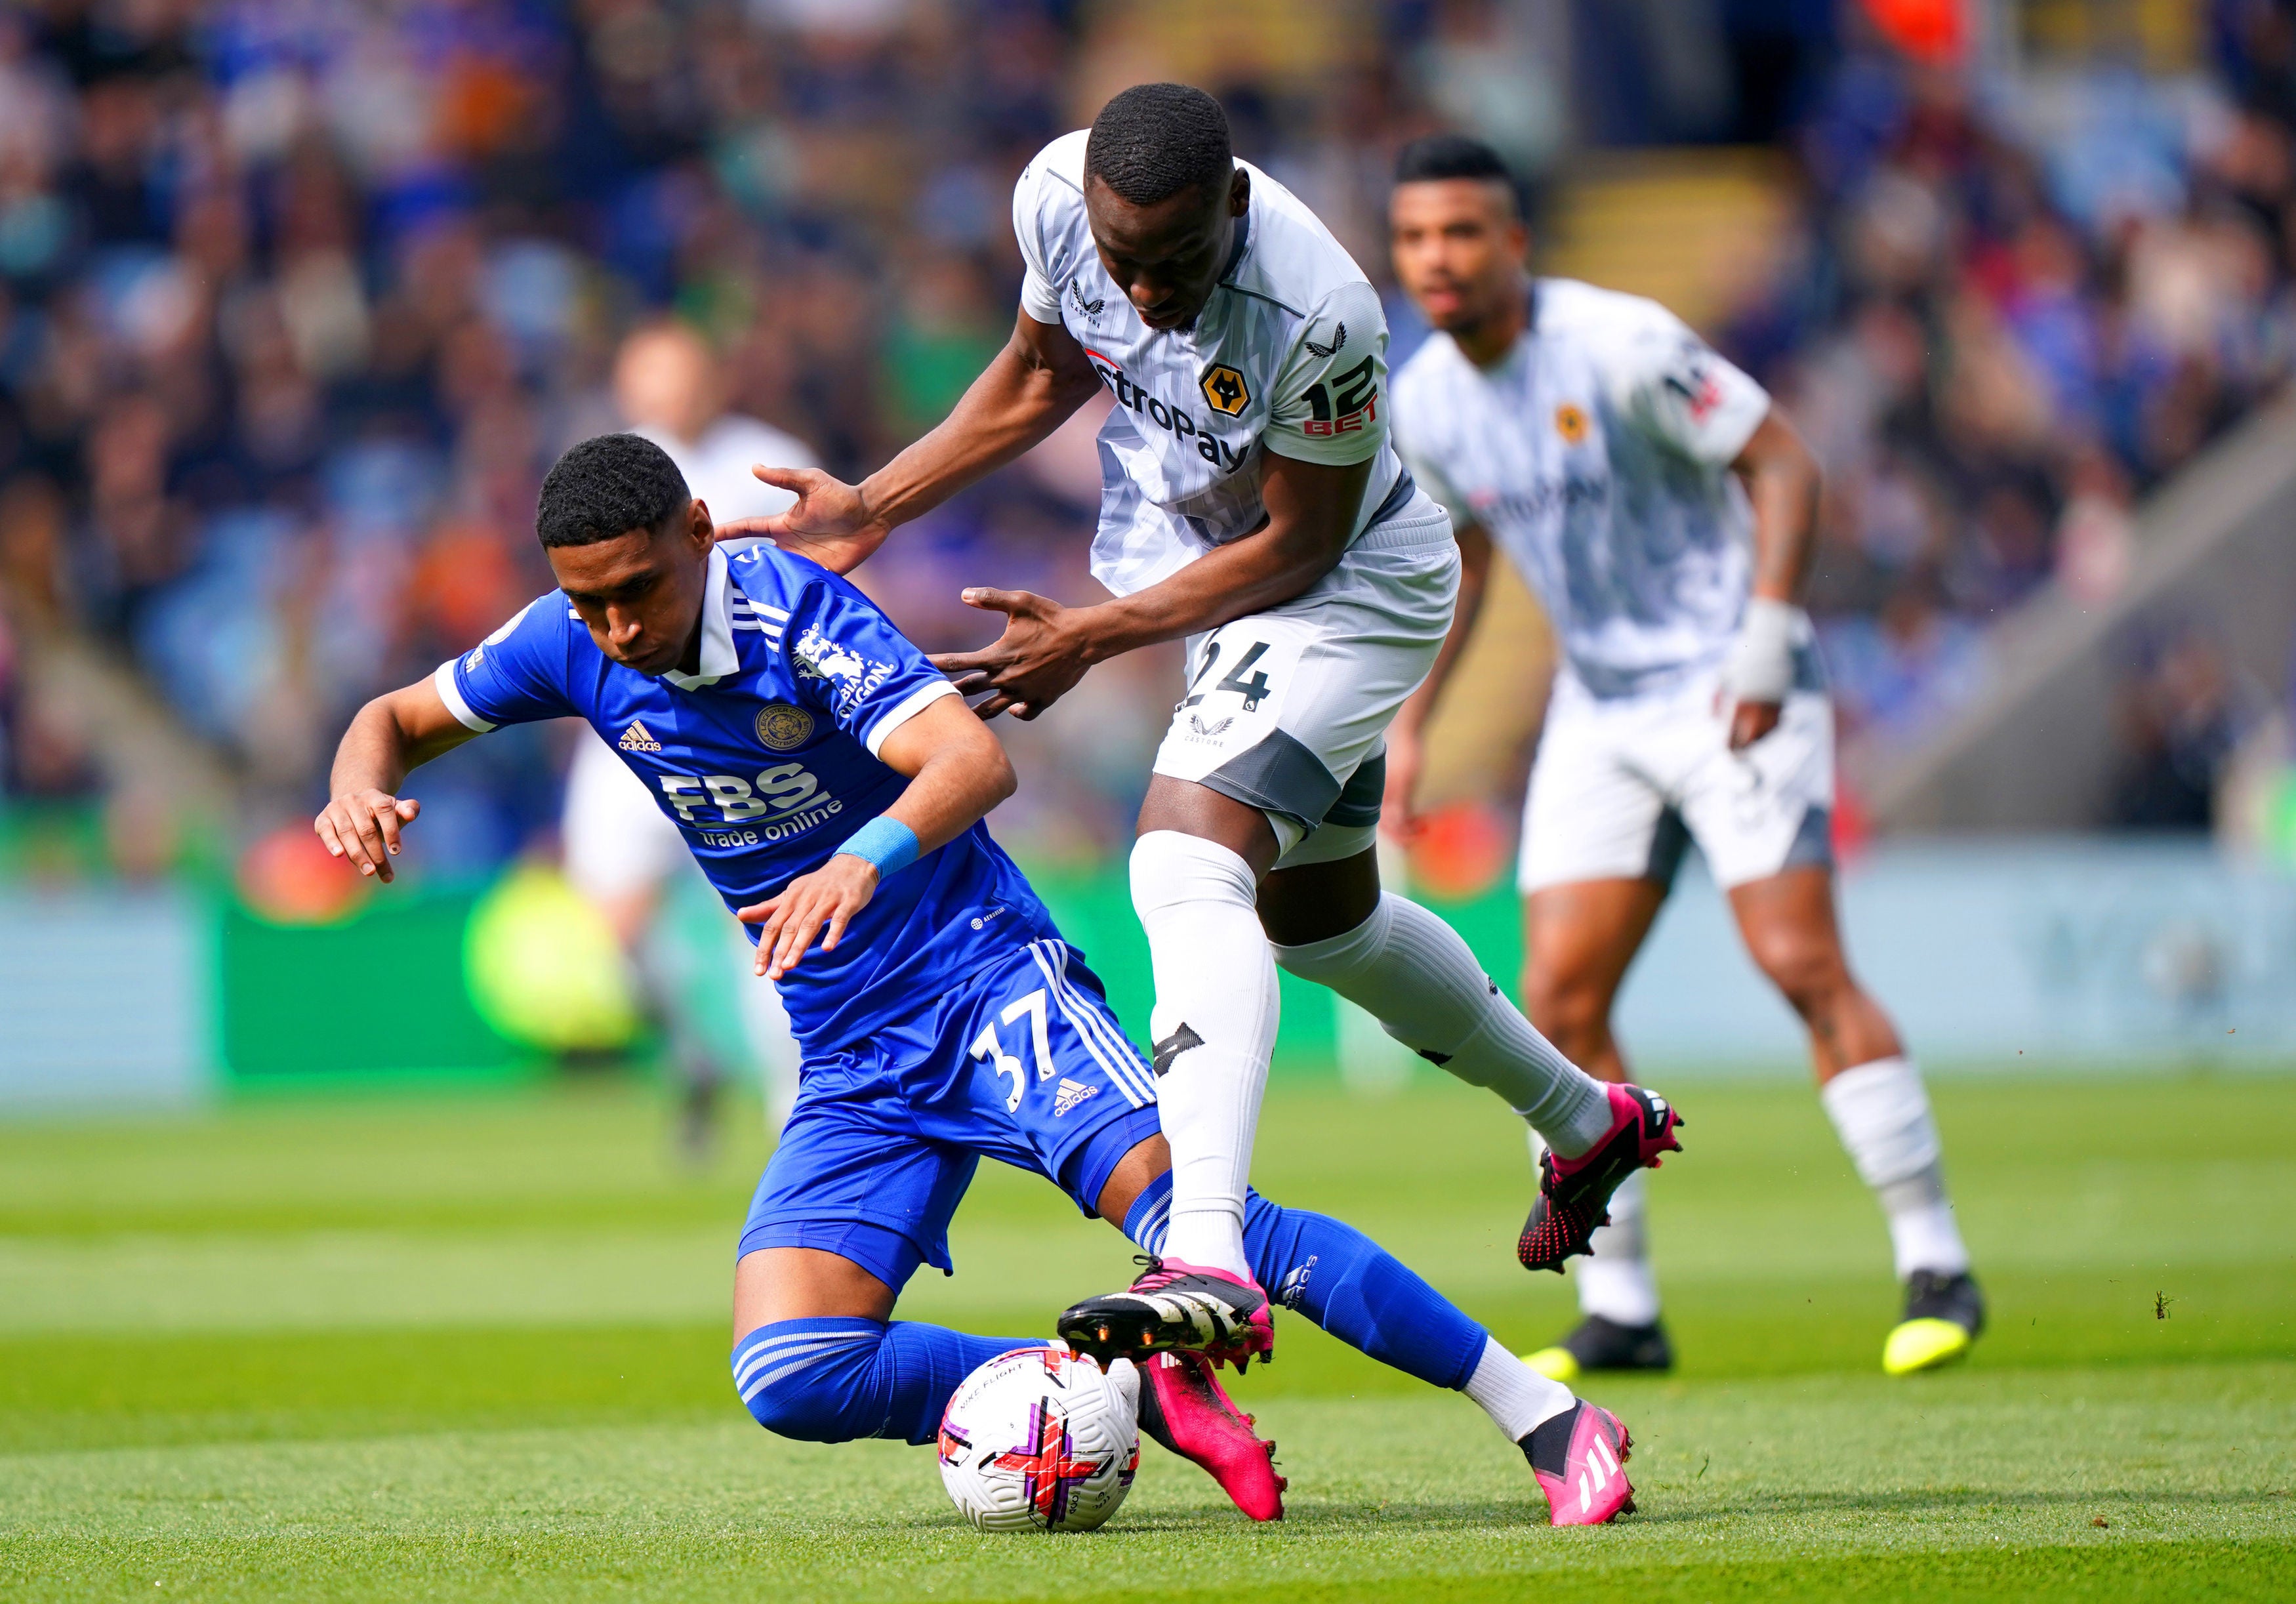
(299, 298)
(2023, 311)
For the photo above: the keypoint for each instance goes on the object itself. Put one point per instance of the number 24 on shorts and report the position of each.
(1252, 690)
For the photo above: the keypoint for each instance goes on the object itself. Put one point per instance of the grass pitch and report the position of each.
(475, 1349)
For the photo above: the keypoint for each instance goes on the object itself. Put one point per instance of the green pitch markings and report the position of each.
(475, 1349)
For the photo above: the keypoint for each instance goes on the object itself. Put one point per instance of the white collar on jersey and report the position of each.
(718, 657)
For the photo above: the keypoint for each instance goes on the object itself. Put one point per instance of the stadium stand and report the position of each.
(280, 364)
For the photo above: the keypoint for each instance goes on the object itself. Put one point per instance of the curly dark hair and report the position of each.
(605, 486)
(1156, 140)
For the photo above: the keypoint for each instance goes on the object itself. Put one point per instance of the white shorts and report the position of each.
(616, 840)
(1622, 787)
(1287, 711)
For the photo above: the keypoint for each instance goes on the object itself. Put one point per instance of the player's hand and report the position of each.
(831, 523)
(1044, 650)
(1405, 755)
(363, 827)
(1750, 721)
(830, 895)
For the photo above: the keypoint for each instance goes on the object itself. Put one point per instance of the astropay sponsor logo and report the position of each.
(1545, 496)
(1170, 416)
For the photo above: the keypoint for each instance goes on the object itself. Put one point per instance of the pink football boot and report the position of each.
(1579, 1458)
(1574, 1194)
(1185, 1408)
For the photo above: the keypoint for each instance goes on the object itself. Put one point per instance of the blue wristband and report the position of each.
(888, 843)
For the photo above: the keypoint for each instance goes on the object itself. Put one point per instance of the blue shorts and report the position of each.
(1024, 1062)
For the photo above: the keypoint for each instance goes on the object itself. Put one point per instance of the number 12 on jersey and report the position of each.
(1344, 405)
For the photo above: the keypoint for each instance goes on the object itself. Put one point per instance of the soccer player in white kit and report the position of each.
(620, 849)
(1663, 510)
(1253, 506)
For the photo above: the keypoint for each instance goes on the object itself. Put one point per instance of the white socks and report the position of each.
(1213, 1029)
(1516, 1397)
(1413, 973)
(1883, 1115)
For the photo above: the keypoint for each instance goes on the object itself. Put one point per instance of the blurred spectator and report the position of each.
(667, 387)
(2184, 716)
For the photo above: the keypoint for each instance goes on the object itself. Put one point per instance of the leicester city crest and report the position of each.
(784, 727)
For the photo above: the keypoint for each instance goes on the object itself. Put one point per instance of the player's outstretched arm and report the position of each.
(1782, 482)
(396, 732)
(1027, 391)
(1046, 647)
(1405, 744)
(957, 773)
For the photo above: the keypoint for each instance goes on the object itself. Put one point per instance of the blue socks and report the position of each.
(836, 1379)
(1149, 1213)
(832, 1380)
(1342, 1281)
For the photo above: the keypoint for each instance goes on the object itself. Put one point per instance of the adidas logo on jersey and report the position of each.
(1068, 1094)
(635, 739)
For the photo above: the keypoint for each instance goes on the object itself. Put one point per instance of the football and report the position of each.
(1041, 1439)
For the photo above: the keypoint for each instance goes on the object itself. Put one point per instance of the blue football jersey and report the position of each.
(767, 760)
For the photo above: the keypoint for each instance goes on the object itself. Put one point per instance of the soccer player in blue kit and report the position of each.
(833, 784)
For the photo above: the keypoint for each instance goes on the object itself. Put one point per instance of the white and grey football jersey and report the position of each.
(1596, 455)
(1289, 355)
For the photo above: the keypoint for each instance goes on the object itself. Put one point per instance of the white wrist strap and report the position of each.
(1759, 668)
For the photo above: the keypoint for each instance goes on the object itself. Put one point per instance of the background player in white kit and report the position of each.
(621, 851)
(1252, 504)
(1663, 510)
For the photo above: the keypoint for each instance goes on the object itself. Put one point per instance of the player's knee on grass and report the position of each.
(836, 1379)
(811, 1380)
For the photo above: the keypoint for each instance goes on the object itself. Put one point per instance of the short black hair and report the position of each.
(1155, 140)
(1439, 156)
(605, 486)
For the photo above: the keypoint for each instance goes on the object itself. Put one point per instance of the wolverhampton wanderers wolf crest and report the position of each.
(1226, 389)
